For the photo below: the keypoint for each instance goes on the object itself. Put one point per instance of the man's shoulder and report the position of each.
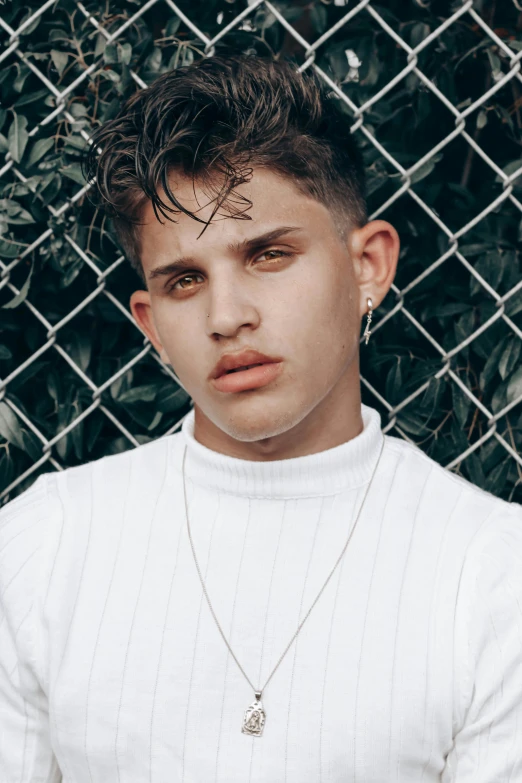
(64, 504)
(137, 463)
(112, 474)
(474, 500)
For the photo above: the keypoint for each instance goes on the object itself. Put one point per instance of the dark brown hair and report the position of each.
(215, 120)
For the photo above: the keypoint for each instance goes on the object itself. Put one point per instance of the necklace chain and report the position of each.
(260, 690)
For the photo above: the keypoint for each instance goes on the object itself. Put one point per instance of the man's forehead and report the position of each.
(271, 195)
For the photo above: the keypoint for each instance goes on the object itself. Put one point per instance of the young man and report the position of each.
(278, 592)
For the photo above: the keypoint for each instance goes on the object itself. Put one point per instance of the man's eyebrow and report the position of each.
(233, 247)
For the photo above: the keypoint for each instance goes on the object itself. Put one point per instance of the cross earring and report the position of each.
(367, 331)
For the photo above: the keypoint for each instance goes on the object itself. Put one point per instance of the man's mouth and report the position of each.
(247, 367)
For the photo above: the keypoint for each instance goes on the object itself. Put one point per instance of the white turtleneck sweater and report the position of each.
(409, 668)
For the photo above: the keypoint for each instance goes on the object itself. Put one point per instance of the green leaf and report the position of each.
(76, 142)
(425, 169)
(72, 270)
(446, 310)
(101, 43)
(319, 18)
(125, 53)
(141, 414)
(496, 479)
(514, 304)
(110, 75)
(491, 366)
(21, 380)
(17, 137)
(50, 188)
(23, 73)
(509, 357)
(74, 172)
(110, 55)
(510, 169)
(13, 212)
(110, 110)
(482, 119)
(34, 24)
(9, 206)
(5, 72)
(6, 468)
(94, 426)
(394, 381)
(118, 445)
(146, 393)
(474, 469)
(155, 421)
(60, 60)
(154, 59)
(38, 150)
(31, 97)
(62, 446)
(58, 35)
(173, 25)
(171, 398)
(432, 393)
(10, 249)
(143, 438)
(31, 444)
(461, 404)
(20, 297)
(17, 189)
(77, 435)
(411, 423)
(79, 348)
(78, 110)
(22, 218)
(54, 386)
(264, 18)
(474, 249)
(514, 387)
(496, 67)
(10, 426)
(419, 32)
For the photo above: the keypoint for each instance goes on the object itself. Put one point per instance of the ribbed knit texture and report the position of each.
(409, 668)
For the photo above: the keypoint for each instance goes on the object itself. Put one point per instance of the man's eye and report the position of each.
(173, 285)
(273, 251)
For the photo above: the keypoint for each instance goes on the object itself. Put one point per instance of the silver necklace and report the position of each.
(255, 716)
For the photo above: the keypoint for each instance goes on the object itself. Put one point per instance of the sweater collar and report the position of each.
(328, 472)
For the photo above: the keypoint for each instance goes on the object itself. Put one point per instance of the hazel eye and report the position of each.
(274, 251)
(173, 285)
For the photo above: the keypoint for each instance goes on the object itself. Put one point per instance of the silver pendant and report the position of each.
(254, 720)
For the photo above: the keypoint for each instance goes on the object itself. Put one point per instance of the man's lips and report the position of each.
(244, 380)
(240, 360)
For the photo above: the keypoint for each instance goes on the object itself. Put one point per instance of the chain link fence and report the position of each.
(431, 356)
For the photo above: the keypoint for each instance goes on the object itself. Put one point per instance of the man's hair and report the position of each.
(214, 121)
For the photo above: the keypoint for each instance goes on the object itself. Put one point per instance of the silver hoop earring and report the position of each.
(367, 331)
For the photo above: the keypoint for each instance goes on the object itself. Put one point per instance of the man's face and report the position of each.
(296, 297)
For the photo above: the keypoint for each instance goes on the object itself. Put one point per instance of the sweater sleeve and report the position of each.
(487, 745)
(26, 755)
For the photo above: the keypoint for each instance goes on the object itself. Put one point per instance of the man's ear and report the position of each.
(374, 250)
(141, 309)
